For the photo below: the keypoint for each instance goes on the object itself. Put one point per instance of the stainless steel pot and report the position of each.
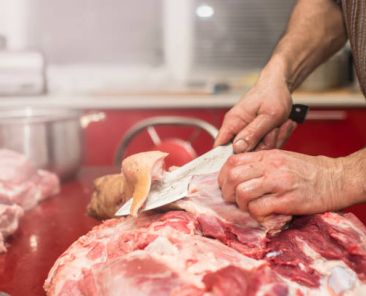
(51, 138)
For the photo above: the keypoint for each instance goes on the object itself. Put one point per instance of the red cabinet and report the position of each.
(330, 132)
(102, 138)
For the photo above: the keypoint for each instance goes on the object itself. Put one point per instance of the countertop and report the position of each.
(45, 232)
(339, 98)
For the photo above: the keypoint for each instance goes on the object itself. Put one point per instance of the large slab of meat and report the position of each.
(207, 247)
(21, 188)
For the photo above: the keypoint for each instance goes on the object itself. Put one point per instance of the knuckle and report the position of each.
(241, 192)
(231, 115)
(256, 156)
(276, 157)
(233, 161)
(278, 112)
(251, 135)
(232, 175)
(255, 209)
(228, 116)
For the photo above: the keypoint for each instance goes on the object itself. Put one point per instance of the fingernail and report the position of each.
(240, 146)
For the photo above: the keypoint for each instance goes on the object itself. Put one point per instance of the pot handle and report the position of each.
(86, 119)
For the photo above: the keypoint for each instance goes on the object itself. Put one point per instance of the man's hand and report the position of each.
(260, 119)
(282, 182)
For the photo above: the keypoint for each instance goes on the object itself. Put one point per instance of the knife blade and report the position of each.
(174, 185)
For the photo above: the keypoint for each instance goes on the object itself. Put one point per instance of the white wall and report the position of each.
(97, 31)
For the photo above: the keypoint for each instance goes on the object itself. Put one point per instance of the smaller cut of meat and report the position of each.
(21, 183)
(137, 174)
(25, 195)
(140, 170)
(47, 182)
(15, 168)
(21, 188)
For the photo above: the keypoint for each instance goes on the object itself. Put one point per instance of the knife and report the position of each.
(174, 185)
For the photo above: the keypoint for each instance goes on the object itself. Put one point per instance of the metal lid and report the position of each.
(37, 115)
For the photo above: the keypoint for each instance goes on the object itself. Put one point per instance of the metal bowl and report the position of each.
(50, 138)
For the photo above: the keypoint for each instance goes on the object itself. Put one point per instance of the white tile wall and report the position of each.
(97, 31)
(241, 34)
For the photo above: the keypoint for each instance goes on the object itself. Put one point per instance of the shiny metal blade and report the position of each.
(175, 184)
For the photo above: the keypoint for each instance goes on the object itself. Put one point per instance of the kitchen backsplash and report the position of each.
(234, 33)
(96, 31)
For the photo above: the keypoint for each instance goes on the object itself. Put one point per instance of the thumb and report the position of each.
(253, 133)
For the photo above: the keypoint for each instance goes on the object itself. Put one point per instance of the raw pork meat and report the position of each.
(212, 248)
(21, 188)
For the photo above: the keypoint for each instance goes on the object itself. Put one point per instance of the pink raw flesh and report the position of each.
(21, 188)
(211, 247)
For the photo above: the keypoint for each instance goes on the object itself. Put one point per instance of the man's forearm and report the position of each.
(314, 33)
(354, 181)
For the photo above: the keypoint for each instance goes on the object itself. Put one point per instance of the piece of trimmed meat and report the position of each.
(140, 170)
(22, 186)
(137, 174)
(21, 183)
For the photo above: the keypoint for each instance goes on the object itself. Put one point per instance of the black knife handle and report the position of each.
(298, 113)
